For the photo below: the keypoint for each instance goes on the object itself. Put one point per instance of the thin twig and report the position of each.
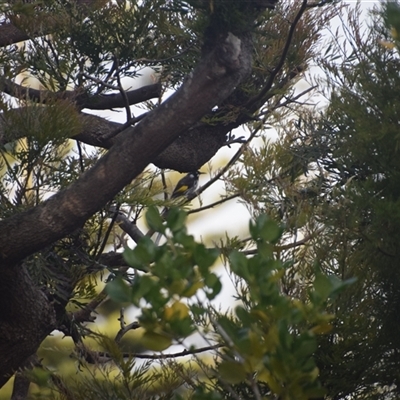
(121, 318)
(84, 314)
(123, 93)
(255, 388)
(128, 123)
(99, 81)
(289, 245)
(183, 353)
(126, 225)
(108, 232)
(125, 329)
(164, 183)
(281, 62)
(223, 170)
(318, 4)
(81, 163)
(227, 198)
(288, 101)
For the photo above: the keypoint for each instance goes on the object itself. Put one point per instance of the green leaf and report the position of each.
(184, 239)
(265, 250)
(338, 285)
(132, 259)
(182, 328)
(145, 250)
(326, 286)
(202, 393)
(154, 219)
(155, 341)
(144, 285)
(322, 285)
(245, 318)
(271, 231)
(142, 255)
(253, 228)
(392, 15)
(176, 219)
(265, 228)
(197, 310)
(204, 257)
(238, 264)
(213, 282)
(39, 376)
(232, 372)
(229, 326)
(306, 346)
(119, 291)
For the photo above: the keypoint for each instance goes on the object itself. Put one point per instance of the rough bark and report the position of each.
(188, 152)
(213, 80)
(82, 100)
(22, 328)
(26, 318)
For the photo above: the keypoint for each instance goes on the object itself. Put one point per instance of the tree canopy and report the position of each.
(316, 273)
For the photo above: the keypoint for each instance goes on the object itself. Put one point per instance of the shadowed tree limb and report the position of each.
(82, 100)
(214, 79)
(21, 381)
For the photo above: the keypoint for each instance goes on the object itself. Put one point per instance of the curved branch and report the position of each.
(176, 355)
(22, 327)
(126, 225)
(10, 34)
(82, 100)
(276, 70)
(288, 246)
(21, 381)
(216, 203)
(124, 330)
(117, 100)
(216, 76)
(105, 357)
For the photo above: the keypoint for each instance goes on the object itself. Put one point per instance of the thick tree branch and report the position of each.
(216, 76)
(21, 381)
(82, 100)
(22, 327)
(10, 34)
(112, 259)
(20, 387)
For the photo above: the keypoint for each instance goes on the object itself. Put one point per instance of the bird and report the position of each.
(187, 185)
(184, 188)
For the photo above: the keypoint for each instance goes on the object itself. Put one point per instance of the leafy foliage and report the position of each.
(323, 201)
(266, 345)
(343, 162)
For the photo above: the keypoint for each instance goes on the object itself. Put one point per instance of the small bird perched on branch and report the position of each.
(187, 185)
(184, 188)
